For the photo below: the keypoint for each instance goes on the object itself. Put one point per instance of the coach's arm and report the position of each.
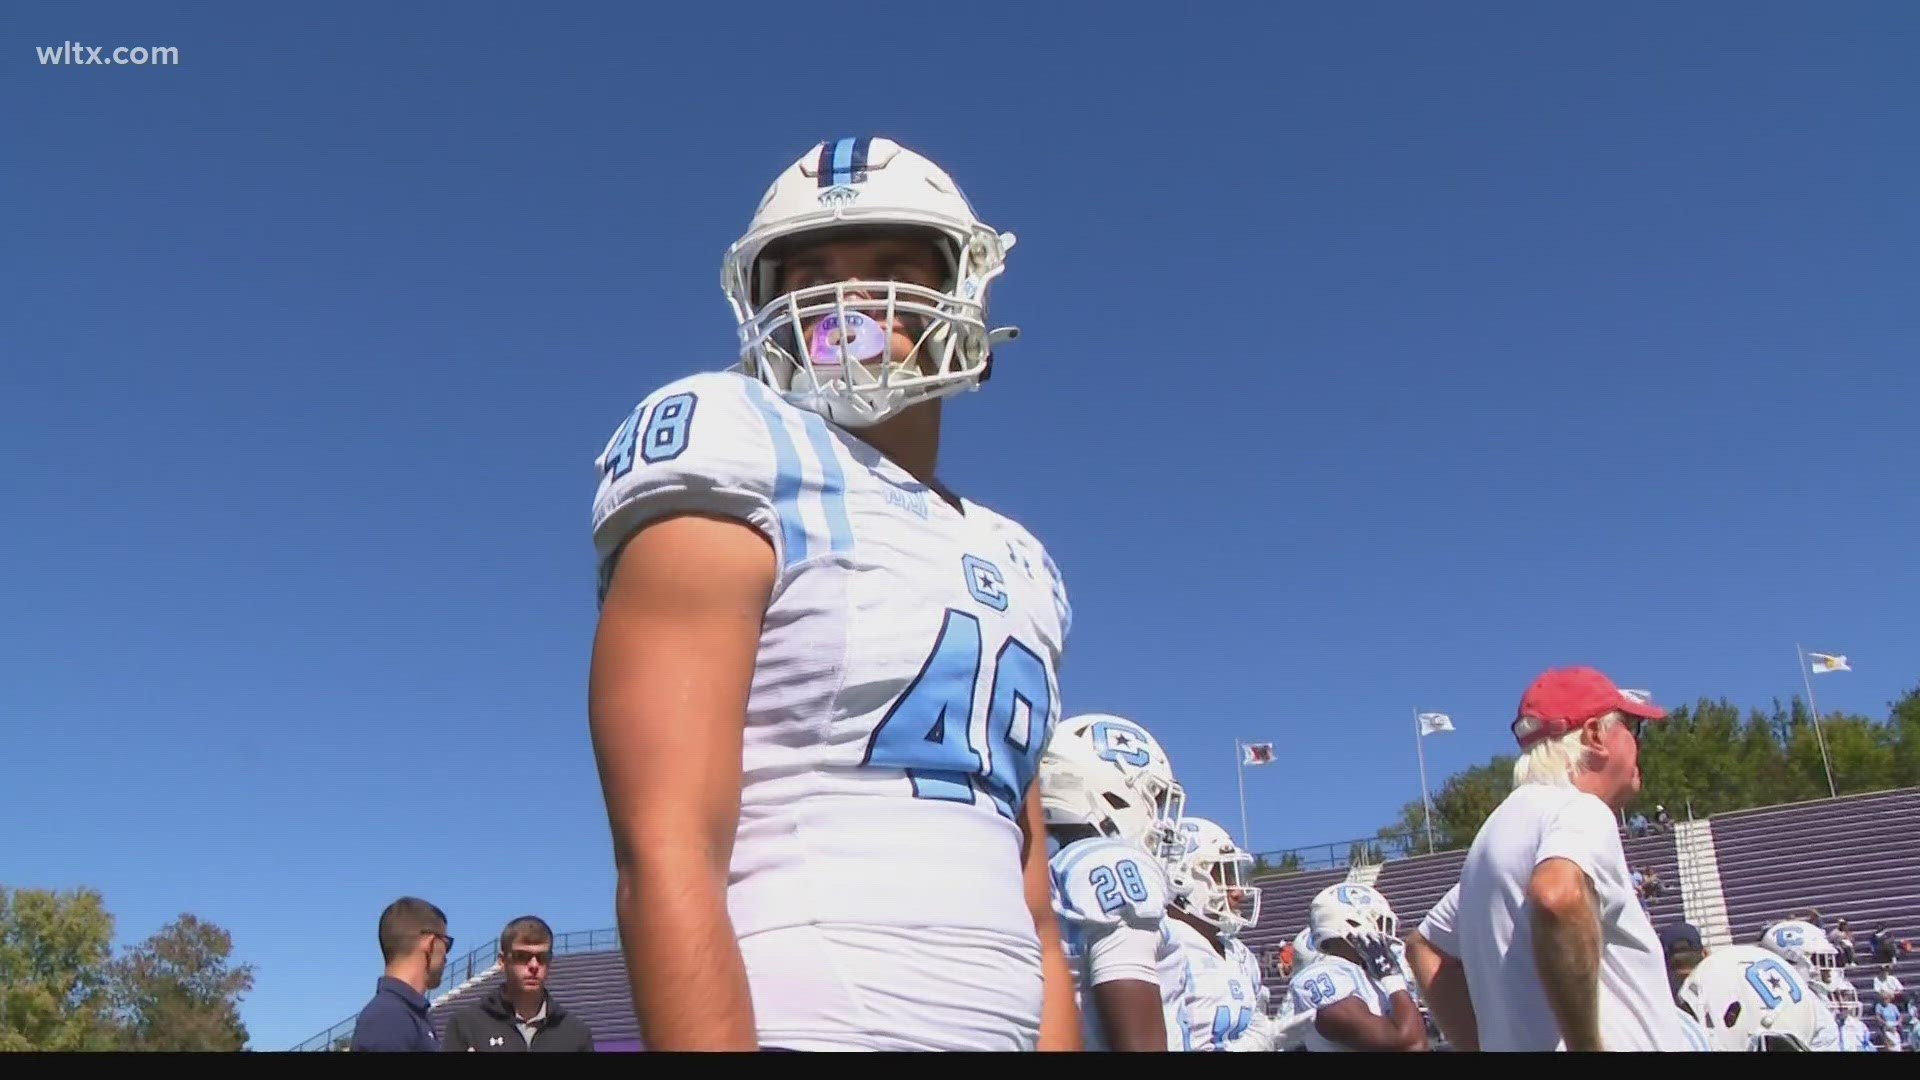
(1443, 986)
(1059, 1018)
(1566, 948)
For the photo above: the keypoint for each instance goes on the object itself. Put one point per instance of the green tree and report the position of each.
(55, 952)
(1459, 808)
(1709, 759)
(177, 990)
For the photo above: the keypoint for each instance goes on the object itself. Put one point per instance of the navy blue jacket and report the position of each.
(394, 1021)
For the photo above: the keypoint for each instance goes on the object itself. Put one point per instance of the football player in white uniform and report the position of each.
(1355, 987)
(822, 680)
(1113, 810)
(1806, 949)
(1748, 1000)
(1213, 900)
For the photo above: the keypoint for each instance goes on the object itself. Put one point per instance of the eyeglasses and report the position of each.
(448, 938)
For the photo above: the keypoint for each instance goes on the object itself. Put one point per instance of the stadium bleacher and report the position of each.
(1852, 857)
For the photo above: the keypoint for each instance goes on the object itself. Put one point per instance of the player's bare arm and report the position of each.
(1566, 949)
(1059, 1020)
(672, 665)
(1443, 986)
(1132, 1016)
(1350, 1023)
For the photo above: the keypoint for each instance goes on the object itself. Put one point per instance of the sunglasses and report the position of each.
(528, 956)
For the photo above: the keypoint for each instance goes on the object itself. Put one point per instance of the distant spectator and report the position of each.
(1640, 883)
(1681, 943)
(414, 943)
(1886, 985)
(1889, 1014)
(1655, 887)
(520, 1015)
(1913, 1037)
(1637, 825)
(1842, 939)
(1663, 819)
(1880, 945)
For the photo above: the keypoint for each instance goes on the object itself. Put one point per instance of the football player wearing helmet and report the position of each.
(822, 680)
(1806, 949)
(1213, 901)
(1748, 999)
(1355, 987)
(1113, 811)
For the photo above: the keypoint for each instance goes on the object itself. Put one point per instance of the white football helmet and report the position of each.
(1805, 946)
(1344, 910)
(865, 183)
(1303, 951)
(1748, 999)
(1110, 773)
(1211, 879)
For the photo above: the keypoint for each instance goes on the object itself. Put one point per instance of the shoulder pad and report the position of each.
(1323, 982)
(1102, 882)
(722, 443)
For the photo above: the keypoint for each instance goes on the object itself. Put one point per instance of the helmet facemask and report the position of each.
(826, 347)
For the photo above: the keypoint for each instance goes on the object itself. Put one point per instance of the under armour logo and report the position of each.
(496, 1040)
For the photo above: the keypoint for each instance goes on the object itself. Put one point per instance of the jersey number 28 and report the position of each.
(930, 732)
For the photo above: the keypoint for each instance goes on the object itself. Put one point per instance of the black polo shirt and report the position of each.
(395, 1020)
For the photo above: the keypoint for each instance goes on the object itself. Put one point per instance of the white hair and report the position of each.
(1558, 760)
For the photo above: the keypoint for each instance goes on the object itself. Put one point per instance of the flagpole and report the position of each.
(1240, 774)
(1420, 747)
(1814, 707)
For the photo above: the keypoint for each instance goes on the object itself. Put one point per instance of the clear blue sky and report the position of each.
(1375, 359)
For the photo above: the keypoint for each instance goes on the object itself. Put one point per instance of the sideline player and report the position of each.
(1806, 948)
(822, 680)
(1213, 900)
(1750, 1000)
(1113, 809)
(1354, 987)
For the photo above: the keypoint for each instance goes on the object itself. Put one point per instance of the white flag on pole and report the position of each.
(1431, 722)
(1822, 662)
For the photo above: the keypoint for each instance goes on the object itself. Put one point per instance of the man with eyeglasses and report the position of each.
(519, 1015)
(414, 944)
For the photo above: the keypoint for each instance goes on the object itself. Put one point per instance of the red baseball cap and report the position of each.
(1565, 698)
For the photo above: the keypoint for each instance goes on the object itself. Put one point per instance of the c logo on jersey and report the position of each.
(984, 582)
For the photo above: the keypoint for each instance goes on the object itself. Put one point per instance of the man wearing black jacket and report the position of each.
(519, 1015)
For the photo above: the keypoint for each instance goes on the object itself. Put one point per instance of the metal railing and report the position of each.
(1338, 855)
(476, 963)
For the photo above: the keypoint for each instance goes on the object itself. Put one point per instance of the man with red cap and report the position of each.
(1556, 950)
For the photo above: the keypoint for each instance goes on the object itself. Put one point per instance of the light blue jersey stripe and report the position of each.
(833, 484)
(787, 480)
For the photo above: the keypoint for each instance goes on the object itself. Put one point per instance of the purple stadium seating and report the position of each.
(1852, 858)
(1414, 885)
(1283, 907)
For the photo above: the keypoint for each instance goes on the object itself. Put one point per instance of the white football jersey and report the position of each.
(1219, 1005)
(903, 693)
(1250, 966)
(1327, 980)
(1112, 901)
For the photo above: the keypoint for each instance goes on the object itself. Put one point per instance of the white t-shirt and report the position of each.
(1485, 921)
